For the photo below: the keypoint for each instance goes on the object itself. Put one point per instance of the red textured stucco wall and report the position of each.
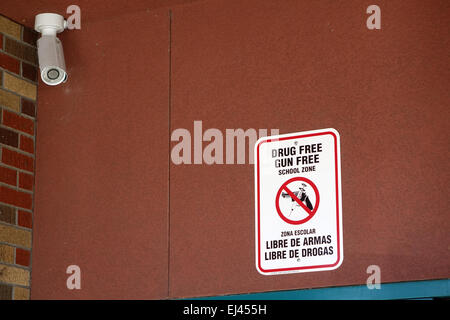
(109, 200)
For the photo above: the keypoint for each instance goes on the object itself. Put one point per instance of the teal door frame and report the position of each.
(396, 290)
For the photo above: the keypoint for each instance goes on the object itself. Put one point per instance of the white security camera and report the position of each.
(50, 50)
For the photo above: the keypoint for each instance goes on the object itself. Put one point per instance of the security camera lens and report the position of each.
(53, 74)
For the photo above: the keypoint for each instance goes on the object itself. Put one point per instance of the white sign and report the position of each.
(298, 206)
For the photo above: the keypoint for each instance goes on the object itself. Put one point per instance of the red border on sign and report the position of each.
(310, 213)
(337, 204)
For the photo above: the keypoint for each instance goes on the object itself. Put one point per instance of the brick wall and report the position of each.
(18, 91)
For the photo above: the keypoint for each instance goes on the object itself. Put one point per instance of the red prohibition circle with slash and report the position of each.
(310, 213)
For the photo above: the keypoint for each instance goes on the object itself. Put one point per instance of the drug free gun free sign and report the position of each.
(298, 206)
